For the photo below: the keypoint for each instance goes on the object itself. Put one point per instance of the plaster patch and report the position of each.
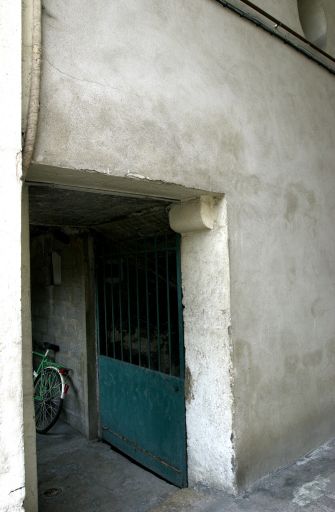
(136, 176)
(189, 395)
(291, 207)
(311, 491)
(315, 454)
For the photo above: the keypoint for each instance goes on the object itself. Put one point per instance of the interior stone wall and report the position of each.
(59, 314)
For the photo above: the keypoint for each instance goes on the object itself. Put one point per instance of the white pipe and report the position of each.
(34, 96)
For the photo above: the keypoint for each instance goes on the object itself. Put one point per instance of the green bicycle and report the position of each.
(50, 388)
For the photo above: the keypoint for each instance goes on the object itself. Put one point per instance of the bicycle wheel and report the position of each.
(48, 399)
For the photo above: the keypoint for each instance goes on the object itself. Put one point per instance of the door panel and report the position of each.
(142, 414)
(141, 361)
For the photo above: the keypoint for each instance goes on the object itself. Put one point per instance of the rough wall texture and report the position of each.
(17, 481)
(31, 497)
(59, 315)
(208, 383)
(193, 94)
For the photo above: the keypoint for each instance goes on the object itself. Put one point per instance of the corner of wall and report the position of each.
(208, 355)
(29, 435)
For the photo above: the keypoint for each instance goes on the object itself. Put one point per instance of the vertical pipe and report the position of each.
(34, 97)
(147, 308)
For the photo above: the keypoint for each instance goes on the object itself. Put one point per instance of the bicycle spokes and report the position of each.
(47, 399)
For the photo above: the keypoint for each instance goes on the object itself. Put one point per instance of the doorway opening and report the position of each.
(106, 288)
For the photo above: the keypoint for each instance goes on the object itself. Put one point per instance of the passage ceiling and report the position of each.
(52, 206)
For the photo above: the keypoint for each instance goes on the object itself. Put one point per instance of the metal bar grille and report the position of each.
(168, 307)
(129, 319)
(112, 305)
(180, 309)
(141, 313)
(147, 309)
(104, 306)
(138, 315)
(157, 307)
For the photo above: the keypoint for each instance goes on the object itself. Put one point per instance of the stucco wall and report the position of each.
(18, 487)
(191, 93)
(59, 315)
(208, 383)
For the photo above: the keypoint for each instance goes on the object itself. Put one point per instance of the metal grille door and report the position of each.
(141, 353)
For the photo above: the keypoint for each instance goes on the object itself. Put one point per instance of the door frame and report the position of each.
(206, 300)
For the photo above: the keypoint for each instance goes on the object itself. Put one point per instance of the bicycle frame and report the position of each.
(48, 363)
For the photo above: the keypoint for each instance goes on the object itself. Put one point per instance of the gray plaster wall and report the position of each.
(18, 482)
(190, 93)
(29, 430)
(59, 316)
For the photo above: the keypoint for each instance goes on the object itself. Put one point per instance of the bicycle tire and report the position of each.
(48, 401)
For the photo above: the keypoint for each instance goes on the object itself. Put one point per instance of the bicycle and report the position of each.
(50, 388)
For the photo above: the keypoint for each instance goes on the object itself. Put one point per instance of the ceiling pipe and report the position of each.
(275, 27)
(30, 130)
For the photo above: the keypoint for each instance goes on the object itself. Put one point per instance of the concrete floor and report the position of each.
(87, 476)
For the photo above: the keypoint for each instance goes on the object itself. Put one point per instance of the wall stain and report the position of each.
(189, 395)
(297, 196)
(312, 358)
(317, 308)
(250, 371)
(330, 351)
(292, 272)
(291, 363)
(291, 206)
(48, 13)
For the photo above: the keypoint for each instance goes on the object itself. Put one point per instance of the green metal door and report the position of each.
(141, 353)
